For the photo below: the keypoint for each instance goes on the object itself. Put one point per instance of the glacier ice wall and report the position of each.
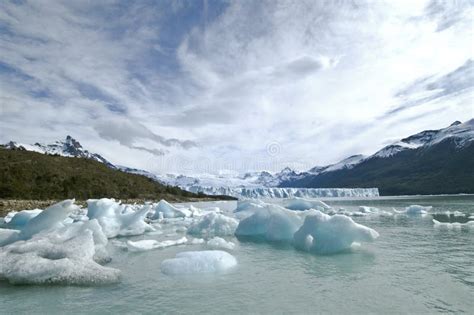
(276, 192)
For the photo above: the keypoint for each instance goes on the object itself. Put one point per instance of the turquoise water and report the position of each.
(412, 267)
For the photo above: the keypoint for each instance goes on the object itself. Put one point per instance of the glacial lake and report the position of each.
(413, 267)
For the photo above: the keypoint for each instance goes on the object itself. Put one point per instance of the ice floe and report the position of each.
(325, 234)
(213, 224)
(168, 211)
(117, 219)
(271, 223)
(219, 242)
(195, 262)
(145, 245)
(68, 255)
(414, 210)
(453, 225)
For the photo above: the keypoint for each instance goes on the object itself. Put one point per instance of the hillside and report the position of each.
(441, 168)
(32, 175)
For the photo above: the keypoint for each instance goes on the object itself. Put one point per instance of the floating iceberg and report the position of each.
(66, 255)
(304, 204)
(145, 245)
(414, 210)
(198, 262)
(324, 234)
(168, 211)
(116, 219)
(271, 223)
(213, 224)
(453, 225)
(218, 242)
(52, 217)
(21, 218)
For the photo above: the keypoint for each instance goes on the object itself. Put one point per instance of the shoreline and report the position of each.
(7, 205)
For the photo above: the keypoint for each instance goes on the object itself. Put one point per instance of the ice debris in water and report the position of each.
(19, 219)
(67, 255)
(145, 245)
(168, 211)
(213, 224)
(271, 223)
(325, 234)
(193, 262)
(219, 242)
(304, 204)
(117, 219)
(415, 210)
(453, 225)
(52, 217)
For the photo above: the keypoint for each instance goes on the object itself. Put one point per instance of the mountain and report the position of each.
(31, 175)
(68, 148)
(429, 162)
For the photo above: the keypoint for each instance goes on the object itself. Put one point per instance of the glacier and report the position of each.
(274, 192)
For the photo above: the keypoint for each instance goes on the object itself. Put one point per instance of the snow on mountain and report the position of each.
(347, 163)
(69, 148)
(460, 133)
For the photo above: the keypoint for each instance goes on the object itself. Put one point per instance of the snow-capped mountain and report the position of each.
(461, 133)
(429, 162)
(347, 163)
(70, 147)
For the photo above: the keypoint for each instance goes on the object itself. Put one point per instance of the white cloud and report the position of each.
(320, 79)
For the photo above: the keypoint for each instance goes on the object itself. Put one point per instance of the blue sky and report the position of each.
(209, 86)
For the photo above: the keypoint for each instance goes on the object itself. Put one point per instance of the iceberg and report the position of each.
(271, 223)
(325, 234)
(116, 219)
(67, 255)
(168, 211)
(52, 217)
(145, 245)
(19, 219)
(219, 242)
(213, 224)
(415, 210)
(453, 225)
(304, 204)
(195, 262)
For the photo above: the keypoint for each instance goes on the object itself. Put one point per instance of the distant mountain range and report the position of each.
(69, 148)
(429, 162)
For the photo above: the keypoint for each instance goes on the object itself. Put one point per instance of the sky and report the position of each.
(232, 86)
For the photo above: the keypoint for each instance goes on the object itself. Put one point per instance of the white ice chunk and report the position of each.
(304, 204)
(198, 262)
(196, 241)
(218, 242)
(116, 219)
(59, 256)
(324, 234)
(271, 223)
(144, 245)
(213, 224)
(453, 225)
(19, 219)
(169, 211)
(417, 210)
(52, 217)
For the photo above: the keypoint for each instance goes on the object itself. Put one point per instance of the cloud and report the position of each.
(435, 88)
(128, 132)
(322, 79)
